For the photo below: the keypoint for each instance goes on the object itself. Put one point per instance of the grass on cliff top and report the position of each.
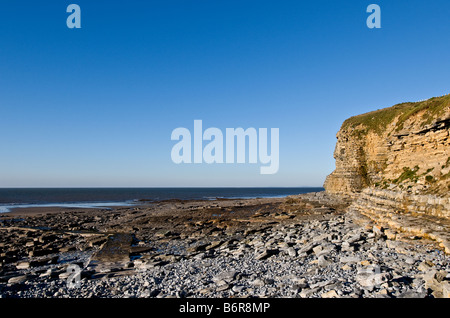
(378, 120)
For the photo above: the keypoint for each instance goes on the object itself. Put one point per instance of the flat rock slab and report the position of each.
(115, 250)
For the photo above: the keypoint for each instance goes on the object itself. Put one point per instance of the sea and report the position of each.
(11, 198)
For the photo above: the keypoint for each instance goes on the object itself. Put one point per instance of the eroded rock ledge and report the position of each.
(421, 215)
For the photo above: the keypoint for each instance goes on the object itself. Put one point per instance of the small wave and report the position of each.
(4, 209)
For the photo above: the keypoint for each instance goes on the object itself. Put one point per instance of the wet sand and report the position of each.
(41, 211)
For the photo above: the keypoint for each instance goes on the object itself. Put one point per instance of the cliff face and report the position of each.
(402, 148)
(395, 163)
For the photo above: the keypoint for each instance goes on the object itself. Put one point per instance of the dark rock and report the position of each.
(266, 254)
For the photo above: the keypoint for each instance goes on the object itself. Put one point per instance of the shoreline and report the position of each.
(42, 208)
(302, 246)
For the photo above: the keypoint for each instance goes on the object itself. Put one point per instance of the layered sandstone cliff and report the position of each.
(405, 148)
(397, 160)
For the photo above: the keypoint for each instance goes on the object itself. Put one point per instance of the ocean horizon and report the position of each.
(12, 198)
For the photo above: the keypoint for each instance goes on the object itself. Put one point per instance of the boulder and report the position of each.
(322, 261)
(330, 294)
(23, 265)
(291, 252)
(266, 254)
(446, 289)
(227, 276)
(17, 279)
(435, 281)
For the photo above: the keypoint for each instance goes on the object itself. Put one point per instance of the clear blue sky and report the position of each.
(96, 106)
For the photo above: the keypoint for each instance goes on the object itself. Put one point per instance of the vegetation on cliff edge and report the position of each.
(378, 120)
